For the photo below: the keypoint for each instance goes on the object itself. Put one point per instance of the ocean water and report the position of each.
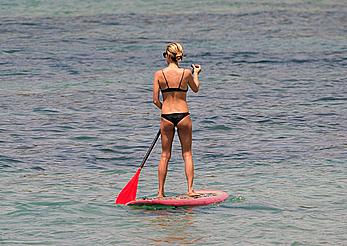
(269, 122)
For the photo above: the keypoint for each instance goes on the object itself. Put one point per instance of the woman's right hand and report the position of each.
(193, 81)
(196, 68)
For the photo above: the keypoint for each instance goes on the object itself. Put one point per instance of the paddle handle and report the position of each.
(150, 149)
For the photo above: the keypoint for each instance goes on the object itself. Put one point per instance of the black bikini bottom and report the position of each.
(175, 118)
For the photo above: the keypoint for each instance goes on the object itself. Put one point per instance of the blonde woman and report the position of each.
(173, 82)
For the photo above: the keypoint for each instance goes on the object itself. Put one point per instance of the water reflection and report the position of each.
(177, 227)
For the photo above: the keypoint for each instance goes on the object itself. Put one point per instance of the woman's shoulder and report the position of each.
(187, 71)
(158, 72)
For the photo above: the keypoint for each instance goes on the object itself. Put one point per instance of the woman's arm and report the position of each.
(156, 91)
(193, 80)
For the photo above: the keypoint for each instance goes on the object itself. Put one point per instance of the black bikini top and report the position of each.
(168, 89)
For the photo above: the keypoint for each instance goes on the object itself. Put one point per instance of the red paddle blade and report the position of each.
(129, 191)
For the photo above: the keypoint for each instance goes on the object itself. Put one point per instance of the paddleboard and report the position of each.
(205, 197)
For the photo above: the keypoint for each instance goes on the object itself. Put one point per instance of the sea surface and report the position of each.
(76, 119)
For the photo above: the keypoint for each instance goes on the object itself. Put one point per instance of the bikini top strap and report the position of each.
(179, 86)
(167, 84)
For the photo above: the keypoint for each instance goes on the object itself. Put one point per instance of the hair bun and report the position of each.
(175, 51)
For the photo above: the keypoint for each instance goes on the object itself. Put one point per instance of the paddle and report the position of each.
(128, 193)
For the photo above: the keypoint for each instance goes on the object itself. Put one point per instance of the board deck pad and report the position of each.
(205, 197)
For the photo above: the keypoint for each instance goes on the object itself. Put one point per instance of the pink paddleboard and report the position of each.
(205, 197)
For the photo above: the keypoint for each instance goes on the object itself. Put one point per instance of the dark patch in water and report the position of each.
(37, 168)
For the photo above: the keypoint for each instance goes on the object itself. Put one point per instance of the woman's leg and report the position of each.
(185, 135)
(167, 130)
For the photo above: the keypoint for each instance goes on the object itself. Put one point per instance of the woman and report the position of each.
(173, 82)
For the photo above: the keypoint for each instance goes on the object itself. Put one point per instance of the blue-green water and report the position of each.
(77, 118)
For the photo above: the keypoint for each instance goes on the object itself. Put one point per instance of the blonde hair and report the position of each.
(174, 51)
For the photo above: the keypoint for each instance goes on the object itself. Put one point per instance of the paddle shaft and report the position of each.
(150, 150)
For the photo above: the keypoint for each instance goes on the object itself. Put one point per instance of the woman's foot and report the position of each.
(193, 194)
(160, 196)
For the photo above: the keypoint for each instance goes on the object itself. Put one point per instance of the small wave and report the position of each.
(12, 51)
(330, 99)
(235, 199)
(112, 159)
(327, 114)
(26, 23)
(9, 159)
(45, 110)
(53, 203)
(95, 167)
(249, 206)
(219, 127)
(86, 138)
(234, 75)
(108, 150)
(263, 121)
(37, 168)
(3, 166)
(207, 122)
(14, 74)
(276, 61)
